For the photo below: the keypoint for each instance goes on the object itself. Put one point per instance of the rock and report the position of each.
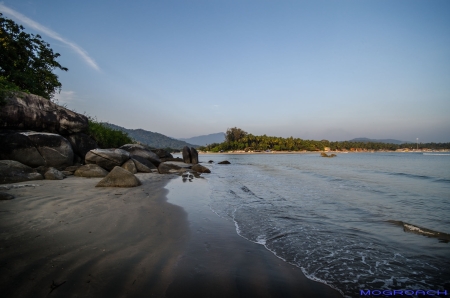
(172, 159)
(5, 196)
(81, 145)
(130, 166)
(200, 169)
(119, 177)
(186, 154)
(136, 150)
(36, 149)
(162, 153)
(194, 156)
(210, 161)
(167, 168)
(53, 174)
(107, 158)
(72, 168)
(41, 170)
(67, 173)
(326, 155)
(142, 168)
(145, 162)
(12, 171)
(91, 171)
(225, 162)
(31, 112)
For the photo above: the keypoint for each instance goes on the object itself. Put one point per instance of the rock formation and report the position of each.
(200, 169)
(119, 177)
(12, 171)
(90, 171)
(136, 151)
(107, 158)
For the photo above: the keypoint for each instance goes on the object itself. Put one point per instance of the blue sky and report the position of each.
(310, 69)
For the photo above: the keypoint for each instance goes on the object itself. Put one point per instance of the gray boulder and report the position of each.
(194, 156)
(31, 112)
(130, 166)
(81, 145)
(90, 171)
(53, 174)
(36, 149)
(136, 150)
(119, 177)
(12, 171)
(200, 169)
(142, 168)
(186, 154)
(107, 158)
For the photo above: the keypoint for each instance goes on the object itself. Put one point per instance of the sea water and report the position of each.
(340, 219)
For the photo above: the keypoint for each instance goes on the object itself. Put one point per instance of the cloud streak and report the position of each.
(50, 33)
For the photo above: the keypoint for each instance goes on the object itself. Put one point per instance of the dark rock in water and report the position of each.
(323, 154)
(119, 177)
(130, 166)
(162, 153)
(31, 112)
(210, 161)
(136, 150)
(90, 171)
(107, 158)
(187, 154)
(12, 171)
(142, 168)
(5, 196)
(53, 174)
(81, 145)
(194, 156)
(225, 162)
(36, 149)
(200, 169)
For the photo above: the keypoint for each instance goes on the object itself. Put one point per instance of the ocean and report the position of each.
(359, 221)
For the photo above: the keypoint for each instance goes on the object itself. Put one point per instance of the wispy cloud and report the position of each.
(50, 33)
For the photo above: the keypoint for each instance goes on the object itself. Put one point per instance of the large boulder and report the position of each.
(31, 112)
(91, 171)
(168, 168)
(200, 169)
(136, 150)
(143, 168)
(130, 166)
(119, 177)
(81, 145)
(12, 171)
(186, 154)
(194, 156)
(36, 149)
(107, 158)
(162, 153)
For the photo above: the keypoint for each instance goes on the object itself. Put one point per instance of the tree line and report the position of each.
(238, 139)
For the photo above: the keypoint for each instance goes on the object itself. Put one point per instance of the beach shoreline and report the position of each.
(70, 239)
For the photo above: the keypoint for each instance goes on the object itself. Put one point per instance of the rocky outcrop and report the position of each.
(107, 158)
(200, 169)
(225, 162)
(143, 168)
(137, 151)
(36, 149)
(12, 171)
(162, 153)
(190, 155)
(119, 177)
(31, 112)
(90, 171)
(130, 166)
(53, 174)
(81, 145)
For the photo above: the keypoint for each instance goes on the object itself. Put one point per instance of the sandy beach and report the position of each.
(70, 239)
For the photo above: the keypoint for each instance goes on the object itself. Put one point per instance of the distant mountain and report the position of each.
(206, 139)
(152, 139)
(386, 141)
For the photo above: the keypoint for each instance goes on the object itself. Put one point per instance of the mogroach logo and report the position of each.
(402, 293)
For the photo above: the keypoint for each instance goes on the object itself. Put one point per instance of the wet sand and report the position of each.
(70, 239)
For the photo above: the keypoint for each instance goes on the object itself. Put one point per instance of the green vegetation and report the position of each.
(26, 62)
(237, 139)
(105, 136)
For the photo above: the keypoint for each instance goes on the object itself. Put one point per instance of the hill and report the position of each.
(206, 139)
(152, 139)
(386, 141)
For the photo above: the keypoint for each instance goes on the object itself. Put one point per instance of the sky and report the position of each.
(332, 70)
